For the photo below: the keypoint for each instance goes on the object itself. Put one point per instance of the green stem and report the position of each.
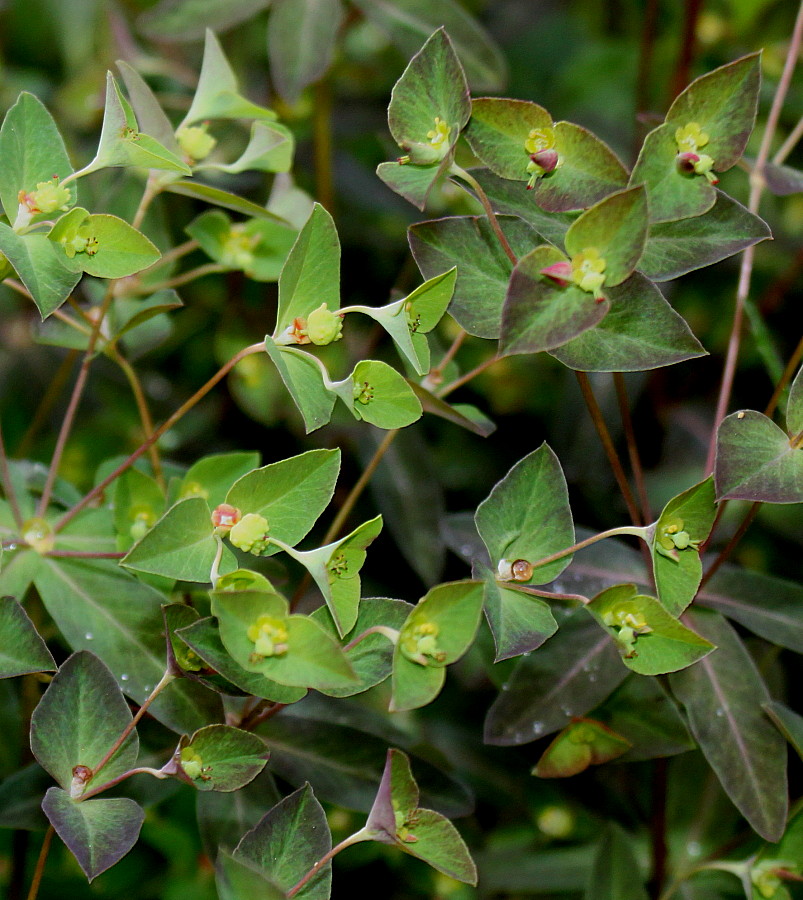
(140, 770)
(144, 412)
(390, 633)
(757, 185)
(361, 835)
(163, 683)
(165, 426)
(633, 530)
(7, 484)
(486, 205)
(214, 573)
(211, 268)
(548, 595)
(40, 863)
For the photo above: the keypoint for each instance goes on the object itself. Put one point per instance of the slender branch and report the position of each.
(361, 835)
(68, 320)
(435, 375)
(486, 205)
(786, 377)
(548, 595)
(140, 770)
(7, 484)
(40, 863)
(144, 412)
(682, 73)
(148, 195)
(72, 407)
(163, 683)
(211, 268)
(261, 713)
(607, 444)
(729, 547)
(390, 633)
(464, 379)
(757, 184)
(632, 446)
(47, 403)
(643, 78)
(165, 426)
(789, 144)
(633, 530)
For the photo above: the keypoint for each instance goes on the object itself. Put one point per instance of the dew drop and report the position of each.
(89, 636)
(538, 727)
(124, 677)
(592, 677)
(693, 848)
(566, 710)
(720, 712)
(505, 687)
(147, 688)
(11, 547)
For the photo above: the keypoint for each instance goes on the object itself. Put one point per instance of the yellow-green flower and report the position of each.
(238, 248)
(420, 644)
(629, 622)
(540, 146)
(195, 142)
(250, 534)
(48, 197)
(588, 271)
(673, 537)
(324, 326)
(690, 138)
(192, 763)
(269, 637)
(540, 139)
(439, 135)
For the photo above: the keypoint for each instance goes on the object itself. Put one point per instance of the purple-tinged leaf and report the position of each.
(571, 674)
(98, 833)
(788, 722)
(723, 695)
(22, 650)
(519, 622)
(757, 461)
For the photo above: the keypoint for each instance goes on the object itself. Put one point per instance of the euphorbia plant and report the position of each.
(186, 591)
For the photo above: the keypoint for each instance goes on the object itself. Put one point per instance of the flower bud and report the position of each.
(323, 326)
(195, 142)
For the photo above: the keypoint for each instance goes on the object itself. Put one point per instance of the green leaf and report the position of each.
(311, 275)
(641, 331)
(150, 115)
(113, 248)
(770, 607)
(40, 268)
(519, 622)
(675, 248)
(121, 142)
(303, 655)
(270, 149)
(236, 879)
(581, 744)
(642, 712)
(510, 199)
(22, 650)
(203, 638)
(672, 194)
(129, 313)
(615, 874)
(684, 523)
(788, 722)
(723, 696)
(222, 198)
(301, 43)
(187, 20)
(527, 517)
(376, 393)
(222, 758)
(180, 545)
(217, 95)
(438, 631)
(498, 130)
(757, 461)
(372, 656)
(336, 570)
(483, 269)
(99, 607)
(650, 640)
(617, 228)
(541, 315)
(212, 476)
(462, 414)
(723, 103)
(291, 494)
(414, 183)
(396, 819)
(33, 152)
(288, 841)
(416, 314)
(409, 22)
(571, 674)
(301, 375)
(97, 832)
(78, 720)
(258, 247)
(794, 407)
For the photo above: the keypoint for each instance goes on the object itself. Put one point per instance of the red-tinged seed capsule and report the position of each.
(225, 516)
